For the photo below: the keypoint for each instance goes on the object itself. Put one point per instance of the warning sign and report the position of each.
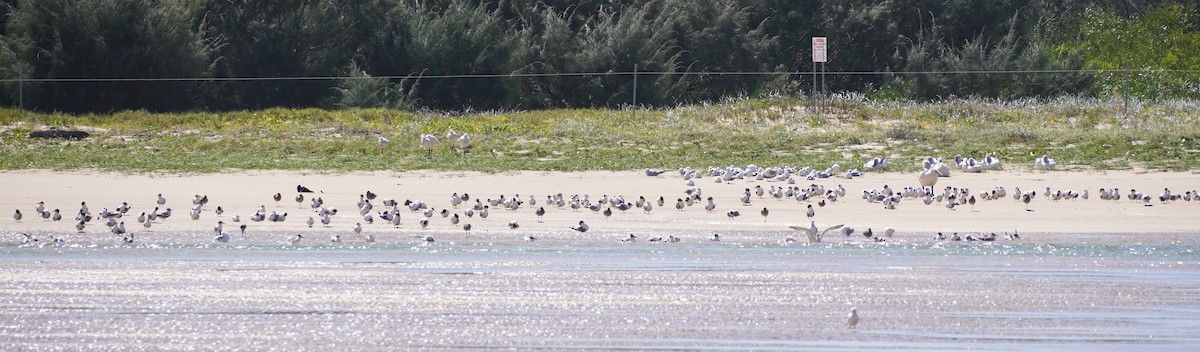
(818, 49)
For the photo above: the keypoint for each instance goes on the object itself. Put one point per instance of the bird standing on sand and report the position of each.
(357, 229)
(810, 212)
(852, 320)
(17, 215)
(161, 200)
(540, 212)
(583, 227)
(764, 214)
(277, 197)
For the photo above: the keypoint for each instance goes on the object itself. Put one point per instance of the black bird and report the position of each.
(303, 189)
(370, 195)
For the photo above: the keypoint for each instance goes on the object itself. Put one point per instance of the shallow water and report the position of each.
(747, 292)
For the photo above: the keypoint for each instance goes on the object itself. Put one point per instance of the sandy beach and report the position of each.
(244, 193)
(1086, 275)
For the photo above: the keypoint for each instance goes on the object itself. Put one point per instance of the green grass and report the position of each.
(1079, 133)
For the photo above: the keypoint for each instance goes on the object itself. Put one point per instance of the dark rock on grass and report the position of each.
(59, 134)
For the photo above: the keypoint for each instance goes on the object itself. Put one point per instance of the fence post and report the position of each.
(635, 77)
(21, 87)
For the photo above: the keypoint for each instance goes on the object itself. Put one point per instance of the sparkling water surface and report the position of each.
(747, 292)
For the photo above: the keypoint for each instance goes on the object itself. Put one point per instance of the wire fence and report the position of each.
(585, 74)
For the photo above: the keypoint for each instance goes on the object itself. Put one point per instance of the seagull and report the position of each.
(810, 212)
(513, 225)
(299, 200)
(540, 212)
(429, 240)
(383, 142)
(716, 237)
(631, 238)
(653, 172)
(811, 231)
(583, 227)
(17, 215)
(467, 228)
(852, 320)
(161, 200)
(764, 214)
(311, 221)
(219, 210)
(888, 232)
(277, 197)
(296, 240)
(357, 229)
(875, 164)
(302, 189)
(336, 238)
(1044, 163)
(223, 237)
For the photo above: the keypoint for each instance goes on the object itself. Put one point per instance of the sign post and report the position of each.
(819, 56)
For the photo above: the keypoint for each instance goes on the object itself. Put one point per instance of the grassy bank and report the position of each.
(1079, 133)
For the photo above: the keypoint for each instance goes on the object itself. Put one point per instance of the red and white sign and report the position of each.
(818, 49)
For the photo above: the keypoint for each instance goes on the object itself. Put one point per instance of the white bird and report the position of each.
(428, 142)
(928, 178)
(357, 228)
(811, 231)
(852, 320)
(1044, 163)
(990, 162)
(161, 200)
(297, 239)
(583, 227)
(875, 164)
(336, 238)
(383, 142)
(311, 221)
(888, 232)
(223, 237)
(464, 142)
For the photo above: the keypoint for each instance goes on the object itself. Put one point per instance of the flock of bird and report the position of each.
(462, 208)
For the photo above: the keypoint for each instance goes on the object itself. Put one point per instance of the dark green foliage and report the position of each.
(73, 39)
(523, 45)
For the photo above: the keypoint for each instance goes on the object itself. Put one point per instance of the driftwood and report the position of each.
(59, 134)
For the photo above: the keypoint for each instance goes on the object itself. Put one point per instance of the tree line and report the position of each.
(388, 49)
